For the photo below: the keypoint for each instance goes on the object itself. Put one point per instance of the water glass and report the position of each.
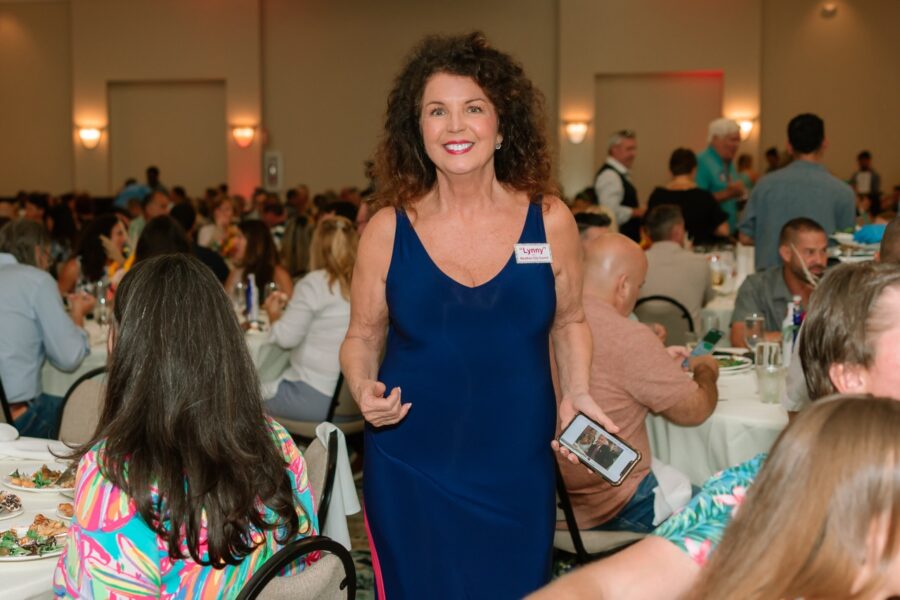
(708, 323)
(754, 330)
(239, 298)
(770, 371)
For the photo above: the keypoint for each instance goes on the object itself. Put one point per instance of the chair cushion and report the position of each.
(321, 580)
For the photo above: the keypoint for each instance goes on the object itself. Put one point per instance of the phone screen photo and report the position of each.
(600, 450)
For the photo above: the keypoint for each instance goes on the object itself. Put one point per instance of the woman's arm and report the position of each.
(283, 281)
(68, 277)
(289, 328)
(570, 334)
(362, 346)
(652, 568)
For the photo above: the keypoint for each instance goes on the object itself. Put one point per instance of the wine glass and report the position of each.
(753, 330)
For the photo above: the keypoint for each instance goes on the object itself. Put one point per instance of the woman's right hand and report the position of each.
(377, 409)
(112, 252)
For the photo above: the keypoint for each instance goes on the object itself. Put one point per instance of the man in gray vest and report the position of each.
(614, 190)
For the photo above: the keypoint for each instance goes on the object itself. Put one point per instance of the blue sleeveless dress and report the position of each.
(459, 496)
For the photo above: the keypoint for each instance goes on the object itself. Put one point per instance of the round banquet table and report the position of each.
(270, 360)
(31, 579)
(740, 428)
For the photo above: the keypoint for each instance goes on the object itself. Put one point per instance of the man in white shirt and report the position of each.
(614, 189)
(674, 271)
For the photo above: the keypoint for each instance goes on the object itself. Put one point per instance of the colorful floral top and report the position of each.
(112, 553)
(698, 527)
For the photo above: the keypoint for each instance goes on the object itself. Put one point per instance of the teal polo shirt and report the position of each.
(713, 176)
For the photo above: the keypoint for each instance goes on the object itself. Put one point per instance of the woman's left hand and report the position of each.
(569, 407)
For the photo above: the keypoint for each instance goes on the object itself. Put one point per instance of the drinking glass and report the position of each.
(753, 330)
(239, 297)
(770, 371)
(717, 271)
(708, 323)
(270, 289)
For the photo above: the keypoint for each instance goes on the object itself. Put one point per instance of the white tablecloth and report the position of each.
(740, 428)
(33, 579)
(270, 360)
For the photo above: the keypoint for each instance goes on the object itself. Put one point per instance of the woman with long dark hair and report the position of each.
(186, 488)
(254, 251)
(100, 253)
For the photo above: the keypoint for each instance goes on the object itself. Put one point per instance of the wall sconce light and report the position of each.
(746, 126)
(576, 131)
(243, 135)
(829, 10)
(90, 137)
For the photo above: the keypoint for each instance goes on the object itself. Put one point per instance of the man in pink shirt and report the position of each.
(632, 373)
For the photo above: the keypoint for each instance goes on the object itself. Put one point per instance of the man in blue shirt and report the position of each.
(716, 172)
(34, 325)
(803, 188)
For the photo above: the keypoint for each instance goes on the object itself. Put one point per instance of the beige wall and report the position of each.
(36, 97)
(178, 127)
(165, 40)
(602, 37)
(846, 69)
(328, 67)
(316, 74)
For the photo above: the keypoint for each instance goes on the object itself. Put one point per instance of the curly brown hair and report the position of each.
(404, 171)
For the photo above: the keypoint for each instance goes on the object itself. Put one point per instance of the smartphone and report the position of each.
(602, 452)
(706, 345)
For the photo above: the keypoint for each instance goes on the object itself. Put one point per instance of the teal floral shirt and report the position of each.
(697, 528)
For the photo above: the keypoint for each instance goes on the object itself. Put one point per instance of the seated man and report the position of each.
(803, 248)
(34, 323)
(632, 374)
(850, 345)
(674, 271)
(796, 397)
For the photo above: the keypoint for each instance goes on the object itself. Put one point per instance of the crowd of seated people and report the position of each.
(82, 245)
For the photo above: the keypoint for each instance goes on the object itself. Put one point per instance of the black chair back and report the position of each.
(335, 398)
(582, 556)
(291, 553)
(675, 316)
(330, 471)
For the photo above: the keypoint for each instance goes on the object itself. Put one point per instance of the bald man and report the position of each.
(632, 373)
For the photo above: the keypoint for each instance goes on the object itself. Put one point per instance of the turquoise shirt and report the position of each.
(713, 176)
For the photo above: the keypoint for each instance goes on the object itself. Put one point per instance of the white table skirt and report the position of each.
(740, 428)
(270, 361)
(32, 579)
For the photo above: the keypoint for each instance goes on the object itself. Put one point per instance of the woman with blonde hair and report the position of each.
(313, 325)
(822, 519)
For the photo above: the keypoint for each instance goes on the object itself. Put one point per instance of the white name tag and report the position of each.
(527, 254)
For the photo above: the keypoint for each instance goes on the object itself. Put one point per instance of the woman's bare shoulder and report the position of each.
(557, 216)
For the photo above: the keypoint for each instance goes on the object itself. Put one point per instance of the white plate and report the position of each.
(10, 515)
(63, 517)
(24, 528)
(45, 490)
(53, 554)
(746, 365)
(68, 493)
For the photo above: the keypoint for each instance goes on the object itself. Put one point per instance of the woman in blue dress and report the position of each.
(464, 276)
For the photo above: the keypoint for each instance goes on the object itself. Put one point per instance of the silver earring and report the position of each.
(497, 147)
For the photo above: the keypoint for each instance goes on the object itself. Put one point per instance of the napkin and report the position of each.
(673, 492)
(344, 500)
(33, 449)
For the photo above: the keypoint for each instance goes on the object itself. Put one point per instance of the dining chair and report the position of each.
(332, 577)
(321, 464)
(342, 411)
(586, 545)
(81, 406)
(670, 313)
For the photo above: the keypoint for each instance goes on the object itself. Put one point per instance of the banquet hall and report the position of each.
(414, 300)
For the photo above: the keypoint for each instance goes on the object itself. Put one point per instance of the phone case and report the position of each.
(576, 452)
